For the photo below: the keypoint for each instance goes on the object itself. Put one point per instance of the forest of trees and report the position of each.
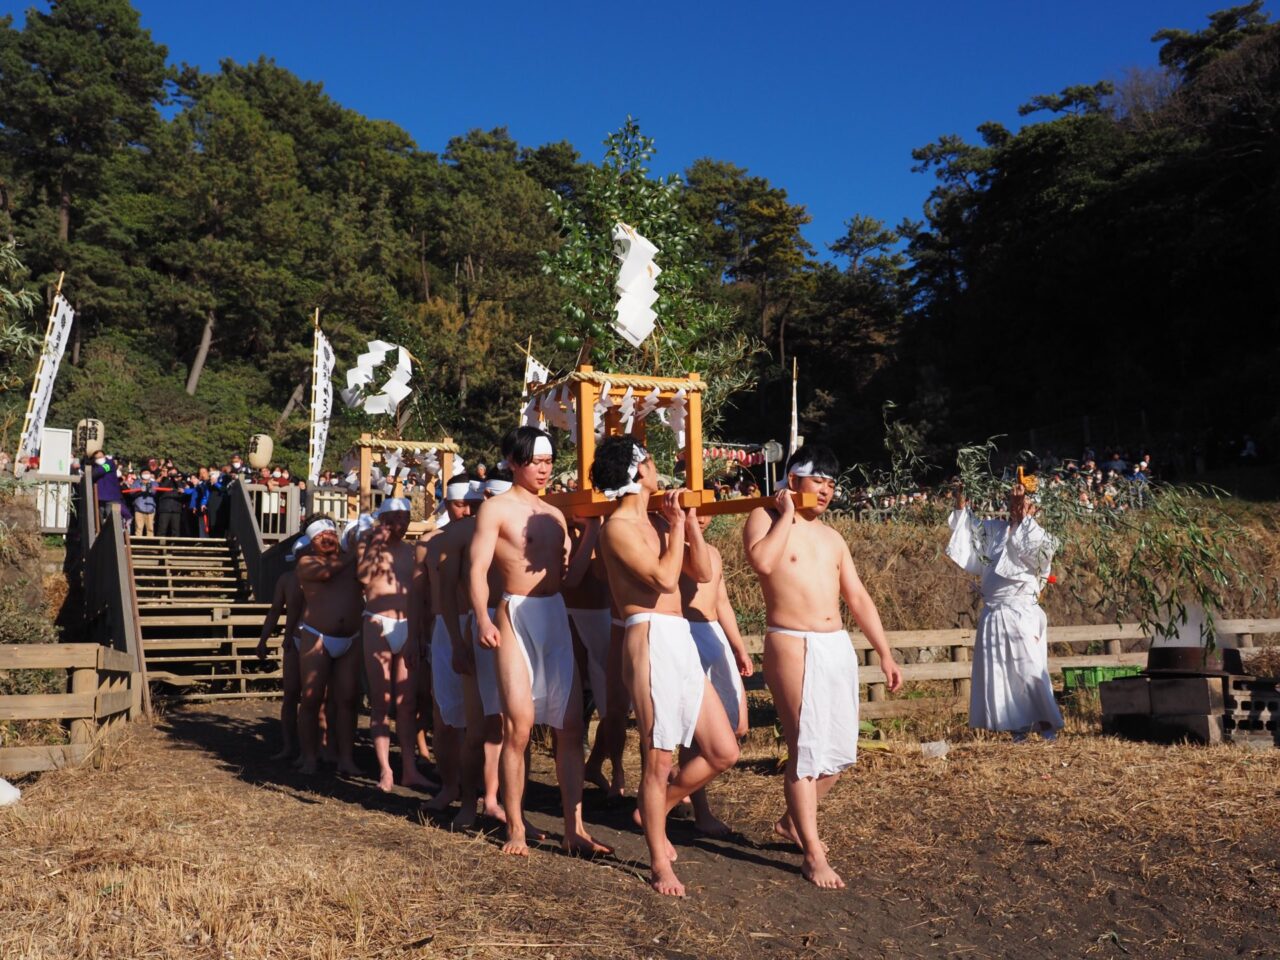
(1118, 251)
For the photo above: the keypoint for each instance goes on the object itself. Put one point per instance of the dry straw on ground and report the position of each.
(191, 846)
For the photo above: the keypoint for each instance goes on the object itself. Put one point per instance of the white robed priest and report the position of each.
(1011, 689)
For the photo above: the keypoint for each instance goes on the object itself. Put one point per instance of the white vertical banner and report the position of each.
(534, 373)
(55, 342)
(795, 419)
(322, 364)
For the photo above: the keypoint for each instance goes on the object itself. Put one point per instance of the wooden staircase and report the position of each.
(198, 622)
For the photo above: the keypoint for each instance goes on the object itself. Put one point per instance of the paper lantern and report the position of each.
(260, 450)
(89, 435)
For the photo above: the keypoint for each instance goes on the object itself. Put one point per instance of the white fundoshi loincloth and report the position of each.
(676, 680)
(446, 685)
(541, 629)
(486, 667)
(719, 665)
(828, 738)
(594, 628)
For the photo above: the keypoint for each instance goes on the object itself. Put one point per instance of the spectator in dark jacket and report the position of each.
(170, 500)
(194, 495)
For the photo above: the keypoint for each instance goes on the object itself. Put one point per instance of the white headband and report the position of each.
(354, 528)
(298, 546)
(475, 490)
(393, 505)
(318, 527)
(542, 446)
(497, 486)
(457, 490)
(805, 468)
(638, 456)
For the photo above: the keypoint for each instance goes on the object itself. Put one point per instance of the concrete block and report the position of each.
(1128, 695)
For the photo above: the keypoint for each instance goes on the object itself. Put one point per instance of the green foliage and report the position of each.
(693, 332)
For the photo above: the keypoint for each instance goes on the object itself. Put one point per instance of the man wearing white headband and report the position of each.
(805, 569)
(448, 688)
(385, 568)
(328, 643)
(674, 702)
(526, 539)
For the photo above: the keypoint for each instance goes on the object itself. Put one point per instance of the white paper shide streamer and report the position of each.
(322, 363)
(393, 391)
(55, 342)
(636, 286)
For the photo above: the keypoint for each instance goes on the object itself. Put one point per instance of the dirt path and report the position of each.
(190, 844)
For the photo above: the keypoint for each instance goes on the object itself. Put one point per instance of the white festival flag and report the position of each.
(795, 419)
(534, 373)
(636, 286)
(322, 363)
(55, 342)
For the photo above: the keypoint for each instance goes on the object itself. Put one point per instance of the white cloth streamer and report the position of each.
(636, 285)
(394, 390)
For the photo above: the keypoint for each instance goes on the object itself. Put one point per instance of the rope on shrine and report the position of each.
(635, 381)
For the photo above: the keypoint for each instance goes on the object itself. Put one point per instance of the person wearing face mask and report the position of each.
(239, 469)
(217, 504)
(170, 499)
(106, 484)
(143, 492)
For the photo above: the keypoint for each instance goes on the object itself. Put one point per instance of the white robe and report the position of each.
(1011, 689)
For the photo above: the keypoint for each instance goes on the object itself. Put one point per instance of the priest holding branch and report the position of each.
(1011, 687)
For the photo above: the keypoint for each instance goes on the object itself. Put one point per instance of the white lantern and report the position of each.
(260, 450)
(89, 435)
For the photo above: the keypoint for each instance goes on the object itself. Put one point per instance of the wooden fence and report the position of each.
(104, 689)
(950, 651)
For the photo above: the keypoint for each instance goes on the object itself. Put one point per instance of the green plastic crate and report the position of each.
(1079, 678)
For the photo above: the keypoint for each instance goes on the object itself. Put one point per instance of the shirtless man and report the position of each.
(384, 567)
(805, 568)
(449, 710)
(328, 641)
(590, 610)
(288, 600)
(477, 668)
(674, 701)
(724, 660)
(526, 539)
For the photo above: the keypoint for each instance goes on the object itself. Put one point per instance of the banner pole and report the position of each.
(35, 384)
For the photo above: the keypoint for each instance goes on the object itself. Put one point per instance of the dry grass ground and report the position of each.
(190, 844)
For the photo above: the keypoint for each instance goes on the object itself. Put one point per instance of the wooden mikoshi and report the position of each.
(586, 385)
(371, 449)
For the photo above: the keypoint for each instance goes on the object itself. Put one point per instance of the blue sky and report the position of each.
(825, 99)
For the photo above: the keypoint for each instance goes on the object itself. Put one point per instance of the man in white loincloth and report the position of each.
(385, 568)
(674, 702)
(449, 710)
(590, 610)
(526, 538)
(287, 600)
(328, 639)
(724, 658)
(804, 569)
(1011, 689)
(474, 666)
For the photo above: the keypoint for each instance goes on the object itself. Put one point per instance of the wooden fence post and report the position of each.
(1245, 641)
(1112, 647)
(960, 654)
(84, 680)
(875, 691)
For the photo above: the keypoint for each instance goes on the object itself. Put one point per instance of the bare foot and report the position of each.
(423, 750)
(596, 778)
(711, 826)
(466, 818)
(493, 810)
(443, 800)
(515, 845)
(819, 873)
(786, 831)
(534, 833)
(663, 880)
(671, 851)
(386, 780)
(581, 845)
(415, 781)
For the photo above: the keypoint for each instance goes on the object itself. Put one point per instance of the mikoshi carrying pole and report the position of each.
(46, 370)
